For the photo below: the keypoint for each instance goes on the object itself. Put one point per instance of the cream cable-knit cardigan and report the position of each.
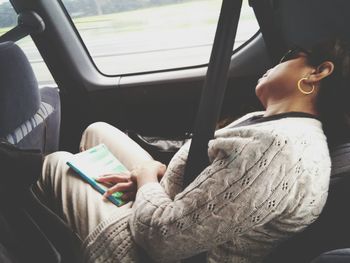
(265, 182)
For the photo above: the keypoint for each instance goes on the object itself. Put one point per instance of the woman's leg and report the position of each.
(125, 149)
(75, 201)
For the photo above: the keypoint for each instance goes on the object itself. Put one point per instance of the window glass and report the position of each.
(125, 36)
(8, 20)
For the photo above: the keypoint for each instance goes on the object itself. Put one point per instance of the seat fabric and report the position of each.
(29, 116)
(334, 256)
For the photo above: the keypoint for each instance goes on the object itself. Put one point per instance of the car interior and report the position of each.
(156, 108)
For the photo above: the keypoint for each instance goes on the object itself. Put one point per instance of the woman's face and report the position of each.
(280, 82)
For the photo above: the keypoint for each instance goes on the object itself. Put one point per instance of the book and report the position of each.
(95, 162)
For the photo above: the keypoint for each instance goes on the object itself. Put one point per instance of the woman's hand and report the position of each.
(128, 183)
(123, 182)
(150, 171)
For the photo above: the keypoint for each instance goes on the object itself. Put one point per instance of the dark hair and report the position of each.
(334, 94)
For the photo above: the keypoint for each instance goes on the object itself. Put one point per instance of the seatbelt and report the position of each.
(213, 89)
(264, 13)
(212, 95)
(28, 23)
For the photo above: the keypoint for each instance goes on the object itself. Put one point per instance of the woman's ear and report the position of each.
(322, 71)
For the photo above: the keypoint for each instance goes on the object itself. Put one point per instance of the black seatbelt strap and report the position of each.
(213, 89)
(29, 22)
(264, 13)
(212, 95)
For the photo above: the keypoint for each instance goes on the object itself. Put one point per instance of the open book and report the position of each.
(95, 162)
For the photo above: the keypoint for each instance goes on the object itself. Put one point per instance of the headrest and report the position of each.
(19, 93)
(306, 23)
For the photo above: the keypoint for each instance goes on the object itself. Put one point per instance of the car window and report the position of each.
(8, 20)
(138, 36)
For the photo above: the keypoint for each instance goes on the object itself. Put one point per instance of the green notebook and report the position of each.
(95, 162)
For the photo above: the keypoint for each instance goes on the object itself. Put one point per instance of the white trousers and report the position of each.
(75, 201)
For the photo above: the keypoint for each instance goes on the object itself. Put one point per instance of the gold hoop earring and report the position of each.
(303, 91)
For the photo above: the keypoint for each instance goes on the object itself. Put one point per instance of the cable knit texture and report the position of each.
(265, 182)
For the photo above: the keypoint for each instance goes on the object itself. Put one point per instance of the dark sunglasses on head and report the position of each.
(294, 53)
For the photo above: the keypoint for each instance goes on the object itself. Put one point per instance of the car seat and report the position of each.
(331, 230)
(29, 120)
(29, 116)
(334, 256)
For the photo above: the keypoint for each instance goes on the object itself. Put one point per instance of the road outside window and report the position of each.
(8, 20)
(148, 35)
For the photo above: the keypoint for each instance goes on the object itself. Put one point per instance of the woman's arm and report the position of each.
(227, 199)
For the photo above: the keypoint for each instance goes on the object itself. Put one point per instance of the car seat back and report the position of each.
(19, 94)
(331, 230)
(26, 119)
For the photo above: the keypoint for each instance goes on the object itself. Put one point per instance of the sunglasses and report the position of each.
(294, 53)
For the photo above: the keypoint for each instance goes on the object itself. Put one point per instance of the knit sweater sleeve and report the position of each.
(239, 189)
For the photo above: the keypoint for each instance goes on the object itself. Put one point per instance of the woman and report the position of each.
(267, 179)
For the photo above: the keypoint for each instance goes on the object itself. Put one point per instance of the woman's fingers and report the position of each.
(113, 178)
(121, 187)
